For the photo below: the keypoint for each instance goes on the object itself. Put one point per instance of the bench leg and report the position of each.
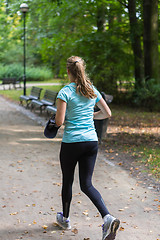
(31, 107)
(47, 113)
(28, 103)
(21, 102)
(41, 109)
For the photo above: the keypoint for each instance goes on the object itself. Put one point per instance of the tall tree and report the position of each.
(151, 56)
(135, 33)
(101, 16)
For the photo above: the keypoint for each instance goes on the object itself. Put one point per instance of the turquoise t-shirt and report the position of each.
(79, 124)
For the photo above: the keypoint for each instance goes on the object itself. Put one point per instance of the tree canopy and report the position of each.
(117, 38)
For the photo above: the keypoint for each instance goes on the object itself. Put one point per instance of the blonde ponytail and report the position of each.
(76, 66)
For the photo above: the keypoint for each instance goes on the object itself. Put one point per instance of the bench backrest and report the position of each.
(36, 91)
(50, 96)
(9, 80)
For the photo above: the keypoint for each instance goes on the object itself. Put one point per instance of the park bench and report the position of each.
(10, 81)
(34, 95)
(49, 99)
(51, 110)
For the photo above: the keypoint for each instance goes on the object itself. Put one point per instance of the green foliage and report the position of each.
(39, 74)
(106, 60)
(148, 97)
(98, 31)
(32, 73)
(14, 70)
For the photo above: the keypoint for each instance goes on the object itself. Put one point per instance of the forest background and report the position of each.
(118, 39)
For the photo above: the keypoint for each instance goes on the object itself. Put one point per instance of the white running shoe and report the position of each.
(109, 228)
(65, 224)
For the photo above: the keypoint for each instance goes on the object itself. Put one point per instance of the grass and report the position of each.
(148, 156)
(151, 158)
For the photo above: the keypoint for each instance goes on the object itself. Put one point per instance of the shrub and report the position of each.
(32, 73)
(148, 97)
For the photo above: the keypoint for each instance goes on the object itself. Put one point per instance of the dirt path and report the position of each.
(31, 183)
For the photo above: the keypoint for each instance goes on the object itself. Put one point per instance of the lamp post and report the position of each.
(24, 9)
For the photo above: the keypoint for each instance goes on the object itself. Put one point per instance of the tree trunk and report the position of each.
(151, 56)
(136, 44)
(101, 17)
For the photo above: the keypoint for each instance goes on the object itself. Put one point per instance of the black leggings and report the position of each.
(85, 154)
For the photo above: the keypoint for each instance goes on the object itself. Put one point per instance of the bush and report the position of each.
(148, 97)
(32, 73)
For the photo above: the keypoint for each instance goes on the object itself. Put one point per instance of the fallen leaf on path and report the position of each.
(15, 213)
(55, 224)
(121, 229)
(111, 151)
(135, 227)
(75, 230)
(85, 212)
(121, 210)
(45, 226)
(120, 163)
(147, 209)
(58, 184)
(20, 170)
(97, 215)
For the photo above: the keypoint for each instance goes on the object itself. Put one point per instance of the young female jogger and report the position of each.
(75, 107)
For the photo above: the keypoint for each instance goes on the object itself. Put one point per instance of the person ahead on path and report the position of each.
(75, 108)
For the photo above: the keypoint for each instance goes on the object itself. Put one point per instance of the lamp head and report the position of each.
(24, 7)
